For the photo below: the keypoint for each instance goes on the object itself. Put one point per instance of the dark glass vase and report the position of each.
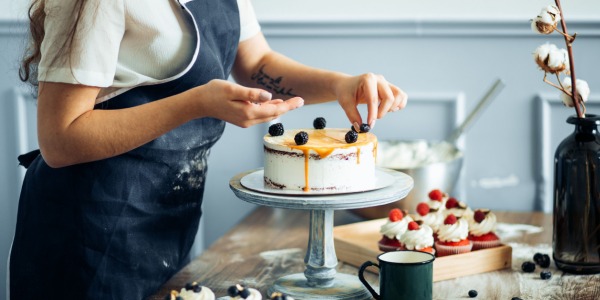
(576, 235)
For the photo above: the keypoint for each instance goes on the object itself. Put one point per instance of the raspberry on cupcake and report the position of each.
(418, 237)
(429, 216)
(458, 208)
(452, 237)
(481, 230)
(393, 230)
(437, 200)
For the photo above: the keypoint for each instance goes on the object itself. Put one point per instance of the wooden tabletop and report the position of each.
(270, 243)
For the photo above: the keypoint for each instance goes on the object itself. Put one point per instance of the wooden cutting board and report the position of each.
(357, 243)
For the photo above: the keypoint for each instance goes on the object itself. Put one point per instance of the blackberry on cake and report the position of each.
(319, 123)
(276, 129)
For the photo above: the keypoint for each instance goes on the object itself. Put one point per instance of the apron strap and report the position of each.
(26, 159)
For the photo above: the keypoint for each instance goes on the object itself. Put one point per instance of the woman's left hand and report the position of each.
(380, 96)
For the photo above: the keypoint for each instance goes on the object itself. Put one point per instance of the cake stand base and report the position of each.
(344, 287)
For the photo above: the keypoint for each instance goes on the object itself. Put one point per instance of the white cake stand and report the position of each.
(320, 279)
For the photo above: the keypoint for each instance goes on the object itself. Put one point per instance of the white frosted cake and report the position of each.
(325, 162)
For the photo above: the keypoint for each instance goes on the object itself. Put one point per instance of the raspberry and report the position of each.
(276, 129)
(450, 219)
(413, 226)
(422, 208)
(436, 195)
(319, 123)
(396, 215)
(479, 216)
(351, 137)
(301, 138)
(451, 203)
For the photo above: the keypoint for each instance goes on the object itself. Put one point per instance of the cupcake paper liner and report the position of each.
(444, 250)
(485, 244)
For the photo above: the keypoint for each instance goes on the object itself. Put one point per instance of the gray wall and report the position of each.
(444, 65)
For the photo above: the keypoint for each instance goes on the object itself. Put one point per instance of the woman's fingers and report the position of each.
(386, 96)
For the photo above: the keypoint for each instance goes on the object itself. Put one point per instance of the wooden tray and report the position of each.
(356, 243)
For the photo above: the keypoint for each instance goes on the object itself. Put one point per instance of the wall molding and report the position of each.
(320, 27)
(545, 160)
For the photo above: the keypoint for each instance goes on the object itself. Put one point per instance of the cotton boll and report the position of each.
(553, 11)
(551, 59)
(546, 22)
(583, 90)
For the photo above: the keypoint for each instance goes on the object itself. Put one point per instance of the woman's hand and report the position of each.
(380, 96)
(240, 105)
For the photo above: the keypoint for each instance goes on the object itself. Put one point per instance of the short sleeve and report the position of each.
(95, 46)
(248, 22)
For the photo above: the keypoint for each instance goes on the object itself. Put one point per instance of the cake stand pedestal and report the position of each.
(320, 279)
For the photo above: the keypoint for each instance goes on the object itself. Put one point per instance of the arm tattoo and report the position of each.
(272, 84)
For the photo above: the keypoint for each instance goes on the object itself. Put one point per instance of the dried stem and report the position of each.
(576, 101)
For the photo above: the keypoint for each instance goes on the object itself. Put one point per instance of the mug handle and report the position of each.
(361, 277)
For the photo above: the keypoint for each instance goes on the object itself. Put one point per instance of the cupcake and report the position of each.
(280, 296)
(452, 237)
(429, 216)
(437, 200)
(481, 230)
(458, 208)
(418, 237)
(393, 229)
(194, 291)
(240, 291)
(191, 291)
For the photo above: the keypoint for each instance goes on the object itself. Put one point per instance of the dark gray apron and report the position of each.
(119, 228)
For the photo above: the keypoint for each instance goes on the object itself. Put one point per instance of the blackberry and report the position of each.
(319, 123)
(245, 293)
(301, 138)
(545, 275)
(276, 129)
(364, 128)
(528, 267)
(472, 293)
(233, 291)
(189, 286)
(197, 289)
(542, 259)
(351, 137)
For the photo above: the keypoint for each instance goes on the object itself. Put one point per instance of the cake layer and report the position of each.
(325, 162)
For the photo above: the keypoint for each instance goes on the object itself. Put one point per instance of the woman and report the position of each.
(131, 96)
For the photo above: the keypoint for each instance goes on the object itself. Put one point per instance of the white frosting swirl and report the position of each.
(436, 205)
(204, 294)
(455, 232)
(418, 239)
(458, 212)
(487, 225)
(432, 219)
(254, 295)
(395, 229)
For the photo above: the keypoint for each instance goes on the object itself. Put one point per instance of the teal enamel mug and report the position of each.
(403, 275)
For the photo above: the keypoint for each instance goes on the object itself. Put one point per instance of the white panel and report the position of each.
(551, 129)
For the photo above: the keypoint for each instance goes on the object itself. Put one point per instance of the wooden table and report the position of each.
(270, 243)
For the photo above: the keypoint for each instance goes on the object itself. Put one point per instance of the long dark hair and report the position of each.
(28, 70)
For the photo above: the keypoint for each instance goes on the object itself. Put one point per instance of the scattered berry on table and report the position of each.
(364, 128)
(301, 138)
(450, 219)
(422, 209)
(472, 293)
(515, 298)
(319, 123)
(351, 137)
(542, 259)
(276, 129)
(545, 275)
(528, 267)
(436, 195)
(395, 215)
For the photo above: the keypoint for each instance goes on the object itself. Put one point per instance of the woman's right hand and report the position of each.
(239, 105)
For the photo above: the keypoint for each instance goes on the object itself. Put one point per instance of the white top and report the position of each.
(121, 44)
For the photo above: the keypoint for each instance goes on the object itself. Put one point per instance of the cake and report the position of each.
(192, 291)
(240, 291)
(327, 160)
(393, 229)
(452, 237)
(481, 230)
(418, 237)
